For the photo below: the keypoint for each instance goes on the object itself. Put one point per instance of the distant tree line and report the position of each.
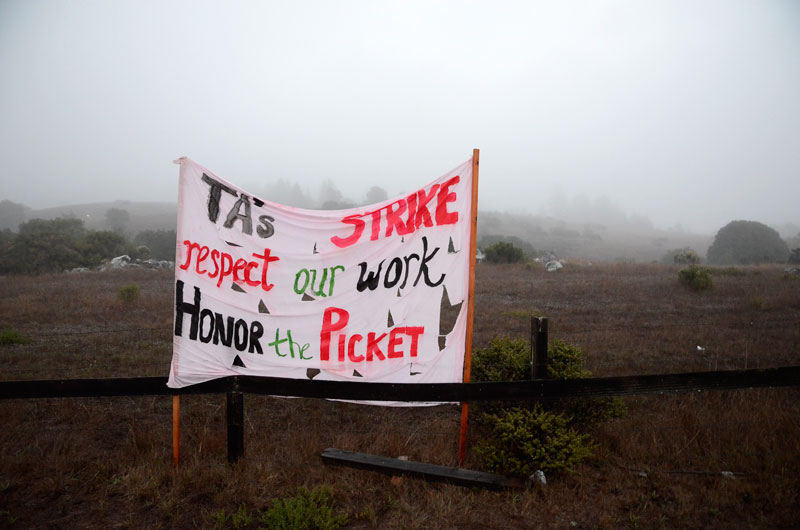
(55, 245)
(38, 246)
(329, 196)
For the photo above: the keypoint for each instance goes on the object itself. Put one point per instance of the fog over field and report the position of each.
(673, 115)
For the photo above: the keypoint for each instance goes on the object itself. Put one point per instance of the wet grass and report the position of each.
(107, 462)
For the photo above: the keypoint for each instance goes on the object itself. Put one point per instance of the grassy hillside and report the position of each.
(143, 215)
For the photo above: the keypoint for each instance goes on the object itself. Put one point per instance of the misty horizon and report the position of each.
(677, 114)
(590, 216)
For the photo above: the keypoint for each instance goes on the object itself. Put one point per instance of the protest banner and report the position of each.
(270, 290)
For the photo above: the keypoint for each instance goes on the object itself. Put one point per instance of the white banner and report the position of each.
(350, 295)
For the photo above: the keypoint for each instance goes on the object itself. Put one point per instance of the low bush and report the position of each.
(686, 257)
(523, 438)
(505, 359)
(142, 252)
(307, 510)
(238, 519)
(129, 293)
(9, 337)
(508, 359)
(696, 278)
(680, 256)
(504, 252)
(565, 361)
(527, 249)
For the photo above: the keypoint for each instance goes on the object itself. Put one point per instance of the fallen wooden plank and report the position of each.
(431, 472)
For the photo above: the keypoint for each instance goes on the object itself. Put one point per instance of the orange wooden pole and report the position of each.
(462, 439)
(176, 429)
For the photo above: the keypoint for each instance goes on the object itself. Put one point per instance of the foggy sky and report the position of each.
(685, 112)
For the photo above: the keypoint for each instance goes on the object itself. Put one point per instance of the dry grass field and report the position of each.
(106, 462)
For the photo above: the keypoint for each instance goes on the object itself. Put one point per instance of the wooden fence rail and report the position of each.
(535, 390)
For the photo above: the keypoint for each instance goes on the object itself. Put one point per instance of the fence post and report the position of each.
(538, 347)
(235, 417)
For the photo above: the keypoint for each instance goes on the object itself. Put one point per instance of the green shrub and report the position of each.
(565, 361)
(696, 278)
(528, 250)
(141, 252)
(505, 359)
(220, 517)
(307, 510)
(129, 293)
(524, 440)
(239, 519)
(794, 257)
(97, 247)
(9, 337)
(503, 252)
(687, 257)
(509, 359)
(746, 243)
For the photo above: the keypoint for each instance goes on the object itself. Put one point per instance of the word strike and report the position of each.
(415, 208)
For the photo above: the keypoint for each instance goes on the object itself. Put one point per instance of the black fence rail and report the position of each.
(533, 390)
